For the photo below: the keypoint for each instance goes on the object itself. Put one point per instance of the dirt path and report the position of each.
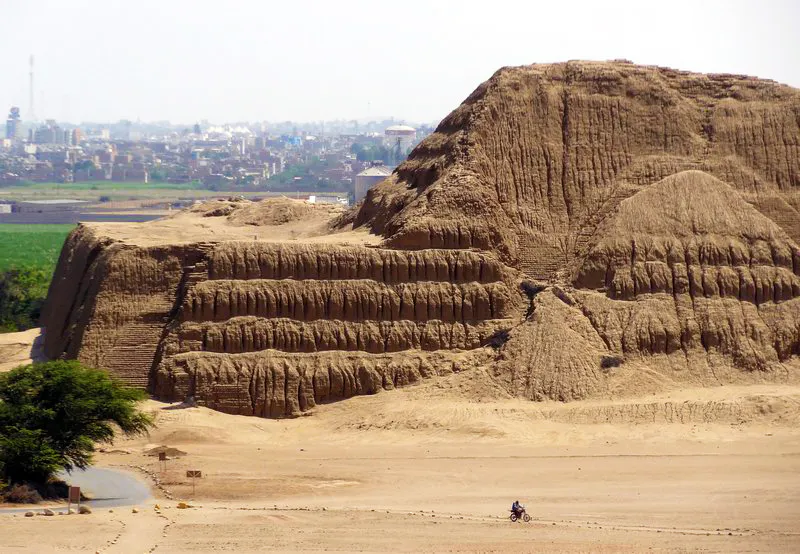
(396, 473)
(140, 532)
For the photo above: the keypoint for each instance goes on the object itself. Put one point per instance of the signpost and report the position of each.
(162, 461)
(74, 496)
(194, 474)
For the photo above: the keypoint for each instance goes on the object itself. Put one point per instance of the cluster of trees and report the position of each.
(371, 152)
(306, 176)
(379, 152)
(22, 295)
(83, 165)
(52, 415)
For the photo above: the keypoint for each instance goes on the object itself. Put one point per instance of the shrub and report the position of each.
(531, 289)
(21, 494)
(499, 338)
(607, 362)
(22, 295)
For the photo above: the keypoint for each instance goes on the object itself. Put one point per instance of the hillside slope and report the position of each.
(538, 156)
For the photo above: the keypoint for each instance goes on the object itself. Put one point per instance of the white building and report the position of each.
(44, 206)
(401, 135)
(326, 199)
(369, 178)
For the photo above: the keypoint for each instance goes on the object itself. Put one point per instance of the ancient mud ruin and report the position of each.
(564, 220)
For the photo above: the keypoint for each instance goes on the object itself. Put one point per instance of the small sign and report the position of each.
(194, 473)
(74, 494)
(162, 456)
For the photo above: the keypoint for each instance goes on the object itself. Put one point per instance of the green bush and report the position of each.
(53, 413)
(28, 256)
(22, 295)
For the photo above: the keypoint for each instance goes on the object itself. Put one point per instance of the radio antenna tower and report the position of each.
(32, 116)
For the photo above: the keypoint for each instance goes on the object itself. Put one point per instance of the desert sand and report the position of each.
(274, 220)
(20, 348)
(423, 469)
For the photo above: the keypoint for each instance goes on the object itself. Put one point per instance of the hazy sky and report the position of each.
(187, 60)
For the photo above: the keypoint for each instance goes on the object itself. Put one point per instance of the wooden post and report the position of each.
(193, 474)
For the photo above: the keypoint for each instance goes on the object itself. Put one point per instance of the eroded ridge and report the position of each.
(537, 157)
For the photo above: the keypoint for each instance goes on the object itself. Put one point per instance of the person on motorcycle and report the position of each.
(517, 508)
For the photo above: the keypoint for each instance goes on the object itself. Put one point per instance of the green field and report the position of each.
(33, 246)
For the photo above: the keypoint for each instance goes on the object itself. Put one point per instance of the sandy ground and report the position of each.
(20, 348)
(186, 227)
(418, 470)
(189, 228)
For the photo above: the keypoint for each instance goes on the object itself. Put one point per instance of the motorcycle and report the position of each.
(523, 515)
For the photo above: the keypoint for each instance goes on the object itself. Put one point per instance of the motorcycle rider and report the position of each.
(517, 508)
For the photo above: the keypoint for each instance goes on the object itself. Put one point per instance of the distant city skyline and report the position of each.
(186, 61)
(206, 122)
(17, 128)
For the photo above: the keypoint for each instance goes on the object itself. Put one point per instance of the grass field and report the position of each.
(31, 245)
(93, 190)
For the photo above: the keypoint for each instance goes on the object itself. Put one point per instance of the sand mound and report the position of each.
(269, 212)
(579, 228)
(555, 354)
(218, 208)
(688, 204)
(168, 450)
(280, 211)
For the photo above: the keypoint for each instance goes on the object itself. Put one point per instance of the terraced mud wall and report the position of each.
(184, 321)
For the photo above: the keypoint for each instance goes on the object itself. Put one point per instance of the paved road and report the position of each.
(107, 488)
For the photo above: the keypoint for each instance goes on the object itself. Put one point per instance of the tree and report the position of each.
(22, 294)
(371, 153)
(84, 165)
(53, 413)
(358, 150)
(26, 457)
